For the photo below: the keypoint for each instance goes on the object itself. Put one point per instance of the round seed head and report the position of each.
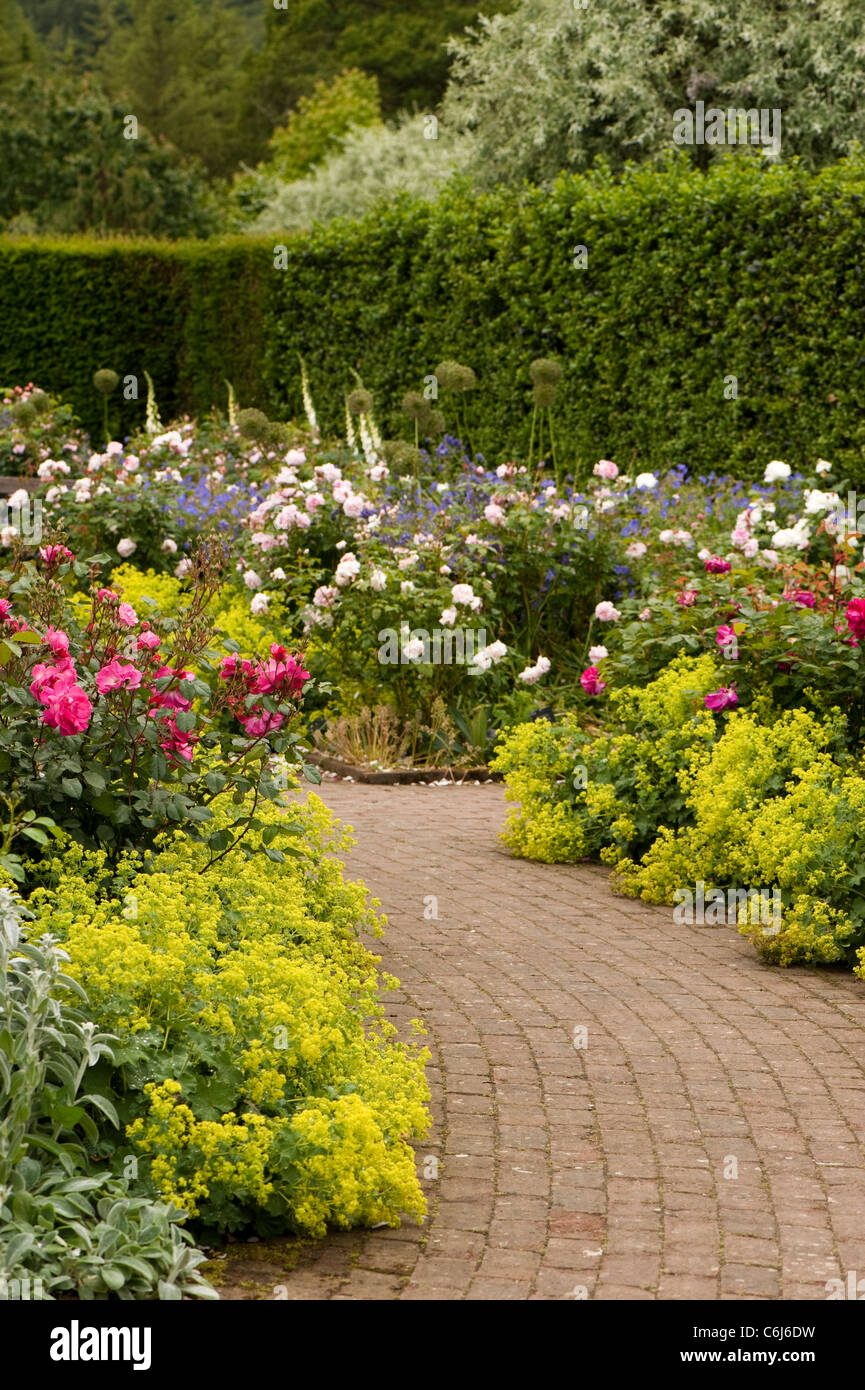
(543, 394)
(105, 380)
(544, 371)
(360, 401)
(253, 424)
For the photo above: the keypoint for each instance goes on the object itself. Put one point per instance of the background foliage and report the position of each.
(690, 279)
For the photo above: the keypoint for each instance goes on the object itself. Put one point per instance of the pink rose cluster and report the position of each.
(57, 688)
(282, 677)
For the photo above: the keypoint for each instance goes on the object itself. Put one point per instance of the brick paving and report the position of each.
(705, 1142)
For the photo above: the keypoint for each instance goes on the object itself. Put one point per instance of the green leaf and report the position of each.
(72, 787)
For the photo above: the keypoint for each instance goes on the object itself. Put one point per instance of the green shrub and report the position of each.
(63, 1229)
(691, 279)
(758, 800)
(257, 1079)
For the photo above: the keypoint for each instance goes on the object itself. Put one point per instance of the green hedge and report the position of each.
(691, 278)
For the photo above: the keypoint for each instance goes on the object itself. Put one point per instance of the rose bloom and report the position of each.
(803, 598)
(645, 615)
(725, 636)
(605, 612)
(169, 546)
(148, 641)
(776, 471)
(57, 641)
(116, 676)
(591, 681)
(687, 598)
(67, 709)
(126, 547)
(605, 468)
(856, 617)
(462, 593)
(597, 654)
(127, 615)
(715, 565)
(722, 699)
(636, 550)
(54, 554)
(258, 606)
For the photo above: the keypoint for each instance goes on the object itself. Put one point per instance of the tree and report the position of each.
(67, 166)
(551, 86)
(403, 46)
(19, 47)
(177, 65)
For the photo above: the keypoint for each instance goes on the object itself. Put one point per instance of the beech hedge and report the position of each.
(712, 319)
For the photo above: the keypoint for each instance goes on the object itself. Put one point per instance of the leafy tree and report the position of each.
(177, 63)
(66, 166)
(19, 47)
(314, 130)
(403, 45)
(551, 86)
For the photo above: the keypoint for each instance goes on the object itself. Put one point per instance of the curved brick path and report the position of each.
(706, 1142)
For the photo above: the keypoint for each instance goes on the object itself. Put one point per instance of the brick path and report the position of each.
(706, 1142)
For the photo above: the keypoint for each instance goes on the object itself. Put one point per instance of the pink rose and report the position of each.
(148, 641)
(687, 598)
(803, 598)
(856, 617)
(117, 676)
(591, 681)
(715, 565)
(55, 554)
(57, 641)
(605, 468)
(260, 722)
(722, 699)
(127, 615)
(67, 709)
(725, 636)
(274, 676)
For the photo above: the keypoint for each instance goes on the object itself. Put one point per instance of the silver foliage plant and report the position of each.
(64, 1230)
(552, 85)
(372, 164)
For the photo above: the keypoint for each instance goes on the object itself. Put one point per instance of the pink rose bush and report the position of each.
(112, 727)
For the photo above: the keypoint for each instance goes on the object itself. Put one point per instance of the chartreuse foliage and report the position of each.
(256, 1078)
(761, 799)
(690, 279)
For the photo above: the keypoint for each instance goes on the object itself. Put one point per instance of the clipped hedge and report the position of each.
(691, 279)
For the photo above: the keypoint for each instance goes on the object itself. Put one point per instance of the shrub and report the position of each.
(255, 1073)
(763, 799)
(66, 1230)
(113, 726)
(691, 279)
(608, 795)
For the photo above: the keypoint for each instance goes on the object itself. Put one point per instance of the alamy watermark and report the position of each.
(734, 126)
(449, 646)
(717, 907)
(21, 517)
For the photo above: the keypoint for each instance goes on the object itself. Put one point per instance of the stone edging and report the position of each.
(402, 776)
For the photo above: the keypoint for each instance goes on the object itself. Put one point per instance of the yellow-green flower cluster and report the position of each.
(760, 801)
(248, 1007)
